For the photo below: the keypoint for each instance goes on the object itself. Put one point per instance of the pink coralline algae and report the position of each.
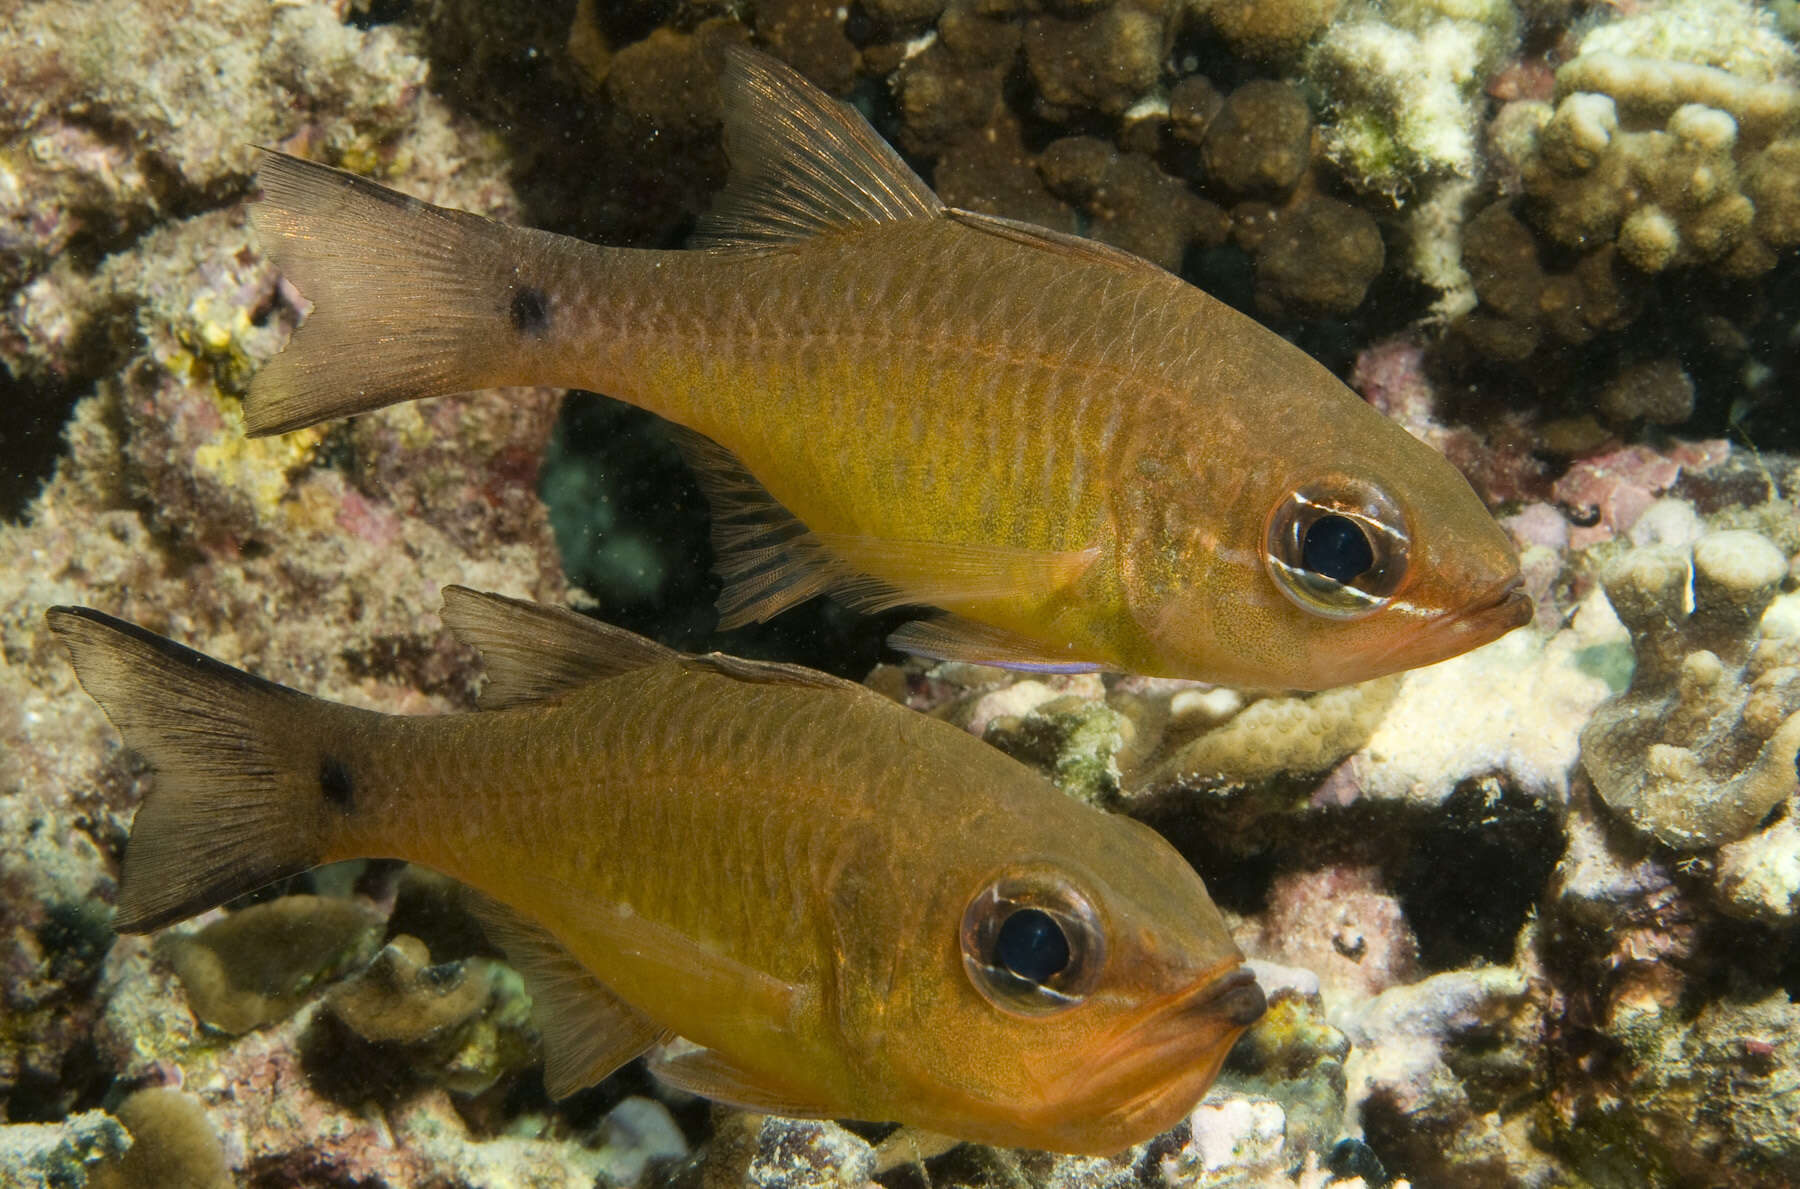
(1500, 461)
(1607, 493)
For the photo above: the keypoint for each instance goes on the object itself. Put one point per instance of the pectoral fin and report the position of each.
(912, 1145)
(751, 999)
(770, 561)
(587, 1031)
(946, 574)
(710, 1075)
(953, 638)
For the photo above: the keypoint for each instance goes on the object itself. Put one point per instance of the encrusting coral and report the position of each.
(60, 1155)
(1401, 83)
(1705, 742)
(1270, 736)
(461, 1024)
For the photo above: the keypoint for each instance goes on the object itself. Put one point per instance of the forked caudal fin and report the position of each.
(245, 786)
(409, 299)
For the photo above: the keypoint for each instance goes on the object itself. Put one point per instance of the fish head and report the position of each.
(1083, 1002)
(1359, 552)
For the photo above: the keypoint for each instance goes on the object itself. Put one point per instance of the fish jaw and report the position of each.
(1147, 1074)
(1448, 634)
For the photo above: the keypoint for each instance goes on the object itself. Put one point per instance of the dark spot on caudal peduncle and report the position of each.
(335, 784)
(530, 312)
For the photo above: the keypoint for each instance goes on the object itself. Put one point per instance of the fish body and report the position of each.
(813, 884)
(1081, 460)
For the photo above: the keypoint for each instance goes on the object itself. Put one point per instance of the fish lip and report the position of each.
(1232, 998)
(1503, 607)
(1236, 996)
(1163, 1060)
(1506, 607)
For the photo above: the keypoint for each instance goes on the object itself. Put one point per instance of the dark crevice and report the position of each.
(612, 479)
(30, 437)
(1474, 874)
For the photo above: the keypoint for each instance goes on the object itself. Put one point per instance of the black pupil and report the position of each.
(1336, 548)
(1031, 945)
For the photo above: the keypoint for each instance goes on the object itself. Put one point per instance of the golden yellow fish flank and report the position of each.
(851, 909)
(1076, 458)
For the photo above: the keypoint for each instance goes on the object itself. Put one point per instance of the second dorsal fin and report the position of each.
(801, 162)
(532, 652)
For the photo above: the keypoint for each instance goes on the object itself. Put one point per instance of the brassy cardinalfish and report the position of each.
(853, 909)
(1079, 460)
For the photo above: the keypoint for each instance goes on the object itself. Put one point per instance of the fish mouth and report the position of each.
(1502, 608)
(1158, 1065)
(1506, 607)
(1235, 997)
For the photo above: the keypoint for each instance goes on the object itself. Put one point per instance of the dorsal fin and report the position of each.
(533, 652)
(755, 672)
(801, 162)
(1076, 247)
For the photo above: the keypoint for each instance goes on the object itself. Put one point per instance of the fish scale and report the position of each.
(789, 871)
(1072, 457)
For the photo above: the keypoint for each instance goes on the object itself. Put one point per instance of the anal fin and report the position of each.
(587, 1031)
(706, 1073)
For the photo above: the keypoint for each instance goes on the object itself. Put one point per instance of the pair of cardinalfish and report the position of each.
(848, 909)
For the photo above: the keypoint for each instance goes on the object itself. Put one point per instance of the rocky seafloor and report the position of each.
(1529, 917)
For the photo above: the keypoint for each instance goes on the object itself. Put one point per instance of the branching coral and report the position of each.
(1679, 194)
(1673, 136)
(1705, 742)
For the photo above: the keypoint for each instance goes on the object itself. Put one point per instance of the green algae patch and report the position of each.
(260, 964)
(173, 1146)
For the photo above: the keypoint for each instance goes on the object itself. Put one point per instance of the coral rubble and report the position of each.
(1527, 918)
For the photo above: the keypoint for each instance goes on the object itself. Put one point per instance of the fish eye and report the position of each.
(1032, 943)
(1337, 547)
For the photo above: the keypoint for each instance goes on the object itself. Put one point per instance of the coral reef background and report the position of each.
(1530, 917)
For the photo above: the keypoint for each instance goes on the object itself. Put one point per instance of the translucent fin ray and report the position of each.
(801, 162)
(770, 561)
(710, 1075)
(409, 299)
(533, 652)
(758, 999)
(953, 638)
(587, 1031)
